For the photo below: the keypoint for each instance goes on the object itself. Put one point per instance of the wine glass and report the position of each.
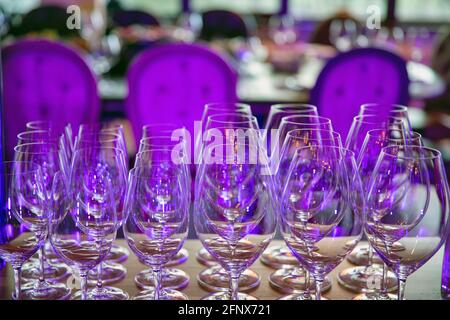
(24, 229)
(157, 224)
(111, 272)
(54, 270)
(220, 128)
(407, 206)
(373, 116)
(296, 279)
(280, 257)
(83, 231)
(106, 163)
(322, 218)
(361, 279)
(160, 149)
(54, 173)
(235, 208)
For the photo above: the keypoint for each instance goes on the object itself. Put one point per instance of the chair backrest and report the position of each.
(46, 80)
(367, 75)
(125, 18)
(45, 18)
(223, 24)
(171, 83)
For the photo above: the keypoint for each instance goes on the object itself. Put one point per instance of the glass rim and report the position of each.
(32, 123)
(334, 133)
(216, 105)
(432, 153)
(348, 153)
(373, 116)
(282, 106)
(85, 148)
(321, 119)
(20, 146)
(398, 107)
(213, 117)
(49, 133)
(416, 135)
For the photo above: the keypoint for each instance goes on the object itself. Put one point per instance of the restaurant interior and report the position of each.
(133, 64)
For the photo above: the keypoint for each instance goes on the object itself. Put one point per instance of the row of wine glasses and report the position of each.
(295, 175)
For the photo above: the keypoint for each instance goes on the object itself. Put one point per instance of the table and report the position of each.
(423, 284)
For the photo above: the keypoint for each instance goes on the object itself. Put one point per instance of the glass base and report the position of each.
(180, 258)
(278, 257)
(366, 279)
(111, 273)
(166, 294)
(365, 296)
(360, 256)
(171, 279)
(226, 296)
(300, 296)
(216, 278)
(47, 291)
(205, 258)
(107, 293)
(52, 272)
(118, 254)
(292, 280)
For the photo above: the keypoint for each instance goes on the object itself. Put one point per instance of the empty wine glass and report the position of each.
(216, 278)
(373, 116)
(157, 224)
(361, 279)
(296, 279)
(84, 229)
(104, 163)
(235, 208)
(161, 148)
(54, 173)
(407, 206)
(321, 216)
(23, 212)
(280, 256)
(111, 271)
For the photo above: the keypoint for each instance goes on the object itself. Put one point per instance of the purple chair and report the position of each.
(171, 83)
(46, 80)
(125, 18)
(367, 75)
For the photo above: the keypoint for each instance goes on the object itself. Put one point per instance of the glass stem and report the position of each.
(99, 276)
(83, 280)
(17, 282)
(234, 286)
(41, 265)
(307, 291)
(157, 273)
(369, 256)
(319, 281)
(383, 288)
(401, 288)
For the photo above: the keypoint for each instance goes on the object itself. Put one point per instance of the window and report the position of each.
(423, 11)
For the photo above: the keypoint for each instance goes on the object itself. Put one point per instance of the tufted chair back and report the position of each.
(367, 75)
(125, 18)
(46, 80)
(171, 83)
(223, 24)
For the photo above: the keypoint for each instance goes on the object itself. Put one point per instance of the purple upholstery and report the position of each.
(368, 75)
(45, 80)
(171, 84)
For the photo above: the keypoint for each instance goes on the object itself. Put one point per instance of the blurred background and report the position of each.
(278, 48)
